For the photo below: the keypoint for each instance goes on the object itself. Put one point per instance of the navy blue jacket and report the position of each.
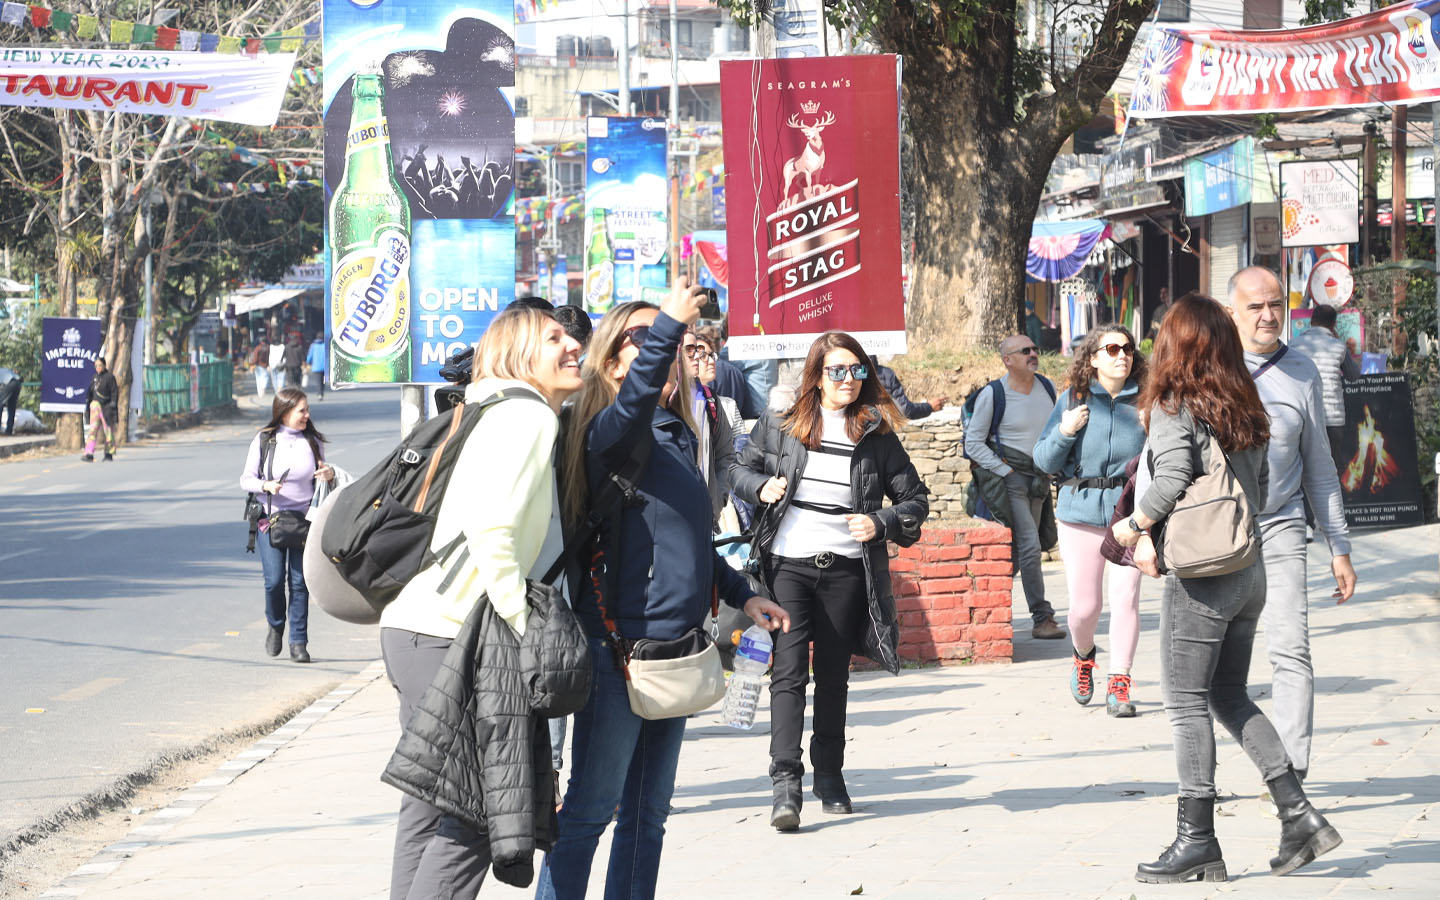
(730, 382)
(667, 564)
(891, 382)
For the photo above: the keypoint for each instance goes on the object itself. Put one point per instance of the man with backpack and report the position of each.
(1004, 420)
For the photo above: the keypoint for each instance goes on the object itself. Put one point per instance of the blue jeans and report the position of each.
(276, 563)
(616, 758)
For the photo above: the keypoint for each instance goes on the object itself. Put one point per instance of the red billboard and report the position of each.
(812, 163)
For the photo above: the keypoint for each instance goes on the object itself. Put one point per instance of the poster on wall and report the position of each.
(1349, 327)
(419, 170)
(814, 216)
(627, 203)
(67, 362)
(1376, 456)
(1318, 202)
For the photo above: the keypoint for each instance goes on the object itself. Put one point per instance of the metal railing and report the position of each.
(168, 388)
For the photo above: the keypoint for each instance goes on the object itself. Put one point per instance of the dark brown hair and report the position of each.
(286, 399)
(803, 420)
(1198, 363)
(1082, 371)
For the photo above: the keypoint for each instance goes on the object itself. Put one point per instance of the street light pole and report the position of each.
(674, 67)
(625, 57)
(149, 288)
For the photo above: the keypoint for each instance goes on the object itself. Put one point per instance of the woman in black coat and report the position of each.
(822, 471)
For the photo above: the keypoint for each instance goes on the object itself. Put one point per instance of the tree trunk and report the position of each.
(976, 185)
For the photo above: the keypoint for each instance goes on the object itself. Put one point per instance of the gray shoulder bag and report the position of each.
(1212, 529)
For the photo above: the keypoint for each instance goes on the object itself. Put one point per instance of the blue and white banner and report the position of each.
(627, 203)
(67, 363)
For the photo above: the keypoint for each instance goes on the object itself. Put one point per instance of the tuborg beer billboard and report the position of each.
(419, 171)
(812, 159)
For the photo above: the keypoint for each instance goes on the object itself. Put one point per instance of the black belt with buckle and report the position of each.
(823, 560)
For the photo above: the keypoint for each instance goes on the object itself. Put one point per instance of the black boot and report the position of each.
(788, 796)
(1195, 853)
(273, 640)
(1304, 833)
(299, 654)
(830, 791)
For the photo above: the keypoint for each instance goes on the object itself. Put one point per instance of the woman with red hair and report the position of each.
(1199, 391)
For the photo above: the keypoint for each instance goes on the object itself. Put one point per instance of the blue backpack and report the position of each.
(997, 402)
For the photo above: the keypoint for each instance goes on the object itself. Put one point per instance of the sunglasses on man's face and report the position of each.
(636, 335)
(1026, 351)
(1115, 350)
(837, 373)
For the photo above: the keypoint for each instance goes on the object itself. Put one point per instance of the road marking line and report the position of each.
(19, 553)
(34, 710)
(88, 689)
(106, 527)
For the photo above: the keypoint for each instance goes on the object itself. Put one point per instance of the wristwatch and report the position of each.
(1135, 526)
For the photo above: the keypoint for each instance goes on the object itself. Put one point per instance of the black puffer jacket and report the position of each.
(879, 468)
(477, 747)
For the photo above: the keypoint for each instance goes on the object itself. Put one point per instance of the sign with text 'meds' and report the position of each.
(1387, 57)
(812, 158)
(225, 88)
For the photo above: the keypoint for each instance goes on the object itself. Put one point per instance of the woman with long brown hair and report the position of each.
(284, 461)
(1093, 433)
(821, 472)
(1199, 391)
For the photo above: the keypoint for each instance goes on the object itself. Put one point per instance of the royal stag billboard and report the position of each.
(419, 172)
(812, 159)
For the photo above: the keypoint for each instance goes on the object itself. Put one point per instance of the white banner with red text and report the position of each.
(1387, 57)
(243, 89)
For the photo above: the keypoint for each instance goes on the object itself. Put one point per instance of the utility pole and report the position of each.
(624, 57)
(1435, 172)
(672, 134)
(674, 67)
(1398, 121)
(1367, 222)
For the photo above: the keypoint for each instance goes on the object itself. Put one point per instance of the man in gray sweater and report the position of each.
(1301, 469)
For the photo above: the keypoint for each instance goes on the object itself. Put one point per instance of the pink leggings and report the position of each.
(1084, 570)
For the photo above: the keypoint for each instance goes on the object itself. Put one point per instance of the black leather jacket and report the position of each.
(879, 468)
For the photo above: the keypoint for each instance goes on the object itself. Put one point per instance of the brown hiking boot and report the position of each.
(1047, 630)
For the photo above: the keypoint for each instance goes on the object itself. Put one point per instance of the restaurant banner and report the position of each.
(419, 171)
(1376, 455)
(812, 161)
(242, 88)
(1387, 57)
(67, 362)
(627, 203)
(1318, 202)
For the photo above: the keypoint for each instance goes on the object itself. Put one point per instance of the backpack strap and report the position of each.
(997, 410)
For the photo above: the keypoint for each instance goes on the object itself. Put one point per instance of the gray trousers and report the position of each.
(437, 857)
(1025, 514)
(1207, 630)
(1287, 637)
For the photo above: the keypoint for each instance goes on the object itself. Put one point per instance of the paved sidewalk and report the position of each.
(984, 781)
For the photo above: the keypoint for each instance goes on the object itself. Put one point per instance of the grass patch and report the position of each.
(955, 373)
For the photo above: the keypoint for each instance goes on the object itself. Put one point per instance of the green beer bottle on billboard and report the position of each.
(370, 252)
(599, 265)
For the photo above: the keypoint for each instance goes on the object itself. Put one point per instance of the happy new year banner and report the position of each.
(1386, 57)
(243, 89)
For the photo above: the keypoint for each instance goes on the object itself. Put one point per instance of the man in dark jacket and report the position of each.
(912, 410)
(102, 405)
(9, 397)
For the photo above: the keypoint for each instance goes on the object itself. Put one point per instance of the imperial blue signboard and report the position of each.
(67, 363)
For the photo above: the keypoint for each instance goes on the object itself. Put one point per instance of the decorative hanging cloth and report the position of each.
(1059, 249)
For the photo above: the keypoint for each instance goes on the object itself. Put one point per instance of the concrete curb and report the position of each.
(16, 446)
(151, 833)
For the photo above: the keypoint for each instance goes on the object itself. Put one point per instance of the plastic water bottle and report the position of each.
(753, 650)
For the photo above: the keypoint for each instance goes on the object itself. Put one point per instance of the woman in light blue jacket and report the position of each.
(1093, 433)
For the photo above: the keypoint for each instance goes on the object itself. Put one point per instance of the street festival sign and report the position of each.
(1387, 57)
(812, 161)
(419, 171)
(67, 362)
(222, 87)
(1376, 456)
(627, 202)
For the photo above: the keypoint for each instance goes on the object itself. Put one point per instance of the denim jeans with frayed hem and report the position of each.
(1207, 631)
(616, 758)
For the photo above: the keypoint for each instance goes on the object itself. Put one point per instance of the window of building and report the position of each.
(1264, 14)
(1174, 11)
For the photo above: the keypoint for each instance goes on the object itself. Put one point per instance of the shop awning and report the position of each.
(1059, 249)
(265, 299)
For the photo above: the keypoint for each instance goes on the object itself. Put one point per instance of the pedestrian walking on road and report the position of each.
(259, 360)
(294, 361)
(10, 384)
(315, 361)
(102, 403)
(658, 574)
(1322, 346)
(822, 472)
(1302, 470)
(502, 498)
(1008, 416)
(283, 463)
(1092, 435)
(277, 363)
(1199, 390)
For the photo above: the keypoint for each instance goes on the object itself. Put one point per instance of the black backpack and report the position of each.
(378, 533)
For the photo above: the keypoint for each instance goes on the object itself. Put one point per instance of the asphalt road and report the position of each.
(131, 618)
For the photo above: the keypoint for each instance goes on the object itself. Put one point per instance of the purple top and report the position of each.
(292, 452)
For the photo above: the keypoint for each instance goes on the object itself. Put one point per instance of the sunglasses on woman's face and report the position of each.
(837, 373)
(1115, 350)
(696, 351)
(636, 335)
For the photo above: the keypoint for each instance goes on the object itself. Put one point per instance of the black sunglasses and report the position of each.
(636, 335)
(1027, 350)
(837, 373)
(697, 351)
(1116, 349)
